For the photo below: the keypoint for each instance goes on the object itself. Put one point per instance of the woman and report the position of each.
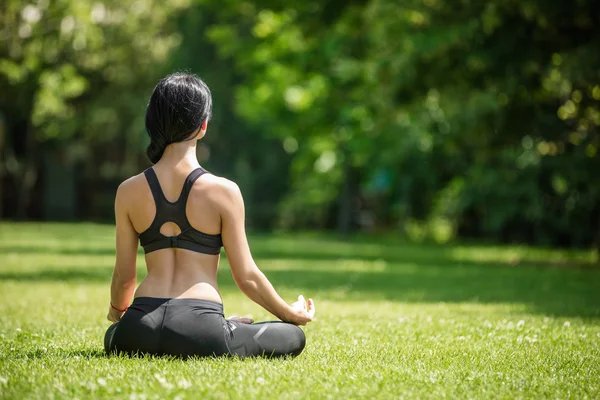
(182, 215)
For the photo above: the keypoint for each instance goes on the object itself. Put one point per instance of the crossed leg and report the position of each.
(265, 339)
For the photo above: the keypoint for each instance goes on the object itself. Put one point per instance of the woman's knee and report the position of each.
(279, 339)
(108, 337)
(298, 340)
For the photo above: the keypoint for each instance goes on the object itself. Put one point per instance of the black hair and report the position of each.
(179, 104)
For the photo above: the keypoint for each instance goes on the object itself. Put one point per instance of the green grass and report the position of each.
(395, 320)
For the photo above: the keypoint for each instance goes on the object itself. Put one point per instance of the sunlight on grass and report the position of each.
(516, 254)
(394, 319)
(341, 265)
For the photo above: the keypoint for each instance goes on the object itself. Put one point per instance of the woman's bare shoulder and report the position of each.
(217, 188)
(132, 185)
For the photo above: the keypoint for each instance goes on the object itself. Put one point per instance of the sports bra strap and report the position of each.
(159, 195)
(155, 188)
(189, 182)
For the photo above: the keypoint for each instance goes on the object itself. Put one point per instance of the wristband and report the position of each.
(115, 308)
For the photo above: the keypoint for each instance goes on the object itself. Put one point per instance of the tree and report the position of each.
(482, 114)
(75, 74)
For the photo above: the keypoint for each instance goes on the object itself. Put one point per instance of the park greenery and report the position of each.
(426, 117)
(394, 320)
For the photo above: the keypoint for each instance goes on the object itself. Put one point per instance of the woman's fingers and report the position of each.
(311, 308)
(297, 305)
(305, 310)
(242, 320)
(302, 301)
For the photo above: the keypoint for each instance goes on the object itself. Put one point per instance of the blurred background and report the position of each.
(429, 119)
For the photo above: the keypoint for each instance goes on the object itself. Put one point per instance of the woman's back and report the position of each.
(176, 272)
(182, 215)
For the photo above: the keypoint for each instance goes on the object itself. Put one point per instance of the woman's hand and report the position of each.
(241, 320)
(302, 312)
(114, 315)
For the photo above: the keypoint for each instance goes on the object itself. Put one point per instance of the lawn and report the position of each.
(395, 320)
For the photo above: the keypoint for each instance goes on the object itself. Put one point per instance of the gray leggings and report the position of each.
(193, 327)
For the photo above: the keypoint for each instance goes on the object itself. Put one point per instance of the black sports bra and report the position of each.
(189, 238)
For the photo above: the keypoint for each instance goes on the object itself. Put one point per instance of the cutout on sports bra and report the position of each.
(170, 229)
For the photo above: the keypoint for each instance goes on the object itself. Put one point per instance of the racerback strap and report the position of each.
(158, 194)
(167, 211)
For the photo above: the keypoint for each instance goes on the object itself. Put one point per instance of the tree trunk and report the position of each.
(347, 197)
(28, 176)
(26, 184)
(2, 169)
(597, 241)
(345, 210)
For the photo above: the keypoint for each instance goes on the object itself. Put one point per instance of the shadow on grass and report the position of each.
(402, 252)
(547, 290)
(55, 353)
(88, 354)
(79, 251)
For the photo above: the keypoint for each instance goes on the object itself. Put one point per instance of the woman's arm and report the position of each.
(124, 274)
(245, 273)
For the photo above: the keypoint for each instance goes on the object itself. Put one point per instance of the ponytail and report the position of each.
(154, 151)
(179, 105)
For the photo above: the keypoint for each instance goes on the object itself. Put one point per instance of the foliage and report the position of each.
(478, 117)
(75, 76)
(418, 98)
